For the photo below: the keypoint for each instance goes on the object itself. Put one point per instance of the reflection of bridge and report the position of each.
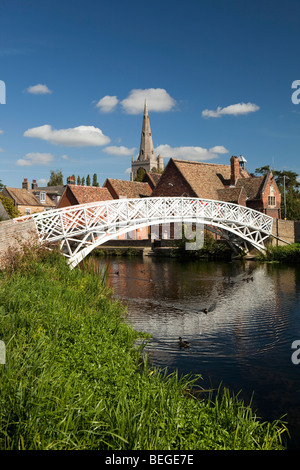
(79, 229)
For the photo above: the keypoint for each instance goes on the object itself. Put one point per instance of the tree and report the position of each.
(95, 182)
(287, 182)
(140, 174)
(263, 170)
(9, 206)
(56, 178)
(88, 180)
(83, 181)
(78, 180)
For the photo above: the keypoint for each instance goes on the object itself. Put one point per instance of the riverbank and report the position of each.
(211, 249)
(289, 254)
(75, 379)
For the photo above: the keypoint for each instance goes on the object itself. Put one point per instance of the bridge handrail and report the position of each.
(241, 214)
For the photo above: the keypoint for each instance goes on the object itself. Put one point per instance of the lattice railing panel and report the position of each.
(81, 227)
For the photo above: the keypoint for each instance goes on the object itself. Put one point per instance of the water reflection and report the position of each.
(244, 340)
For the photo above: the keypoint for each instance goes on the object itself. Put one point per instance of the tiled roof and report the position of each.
(205, 179)
(86, 194)
(229, 194)
(129, 189)
(252, 185)
(26, 197)
(154, 176)
(59, 190)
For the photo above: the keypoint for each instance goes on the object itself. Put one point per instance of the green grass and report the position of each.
(75, 379)
(285, 253)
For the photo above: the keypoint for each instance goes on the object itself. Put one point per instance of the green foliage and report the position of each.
(283, 253)
(140, 174)
(74, 377)
(56, 178)
(211, 249)
(95, 182)
(9, 206)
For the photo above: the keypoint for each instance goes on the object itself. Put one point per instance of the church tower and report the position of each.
(146, 158)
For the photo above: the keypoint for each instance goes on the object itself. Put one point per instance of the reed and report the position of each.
(285, 253)
(74, 378)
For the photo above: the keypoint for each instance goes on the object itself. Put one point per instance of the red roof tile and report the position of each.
(86, 194)
(128, 189)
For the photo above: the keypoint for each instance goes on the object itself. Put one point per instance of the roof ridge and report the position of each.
(197, 163)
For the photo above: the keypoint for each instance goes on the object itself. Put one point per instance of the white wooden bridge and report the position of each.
(79, 229)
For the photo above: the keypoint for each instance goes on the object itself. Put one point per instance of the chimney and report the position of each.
(70, 180)
(235, 170)
(25, 184)
(34, 184)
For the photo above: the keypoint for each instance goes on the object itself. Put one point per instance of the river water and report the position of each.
(244, 341)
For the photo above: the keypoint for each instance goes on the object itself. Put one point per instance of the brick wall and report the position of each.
(178, 186)
(67, 199)
(13, 235)
(287, 230)
(271, 189)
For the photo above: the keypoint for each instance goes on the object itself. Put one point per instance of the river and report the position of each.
(244, 341)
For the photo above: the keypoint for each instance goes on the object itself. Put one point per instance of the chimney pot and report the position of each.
(25, 184)
(70, 180)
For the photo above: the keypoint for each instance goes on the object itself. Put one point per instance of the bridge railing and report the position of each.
(72, 220)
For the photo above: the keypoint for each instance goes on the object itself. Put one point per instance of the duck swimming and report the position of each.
(184, 344)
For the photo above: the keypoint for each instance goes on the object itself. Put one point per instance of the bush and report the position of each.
(284, 253)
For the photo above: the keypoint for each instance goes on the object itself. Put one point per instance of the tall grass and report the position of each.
(285, 253)
(74, 378)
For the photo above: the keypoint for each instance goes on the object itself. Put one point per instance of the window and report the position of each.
(42, 196)
(27, 211)
(272, 201)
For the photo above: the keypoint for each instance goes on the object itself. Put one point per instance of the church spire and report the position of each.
(146, 146)
(146, 159)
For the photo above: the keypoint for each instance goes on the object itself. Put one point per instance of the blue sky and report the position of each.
(217, 76)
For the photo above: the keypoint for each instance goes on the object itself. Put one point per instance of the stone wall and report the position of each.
(14, 235)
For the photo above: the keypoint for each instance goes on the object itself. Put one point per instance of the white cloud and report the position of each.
(128, 170)
(119, 151)
(233, 110)
(65, 157)
(35, 159)
(219, 149)
(42, 181)
(1, 150)
(80, 136)
(189, 153)
(1, 131)
(39, 89)
(107, 104)
(157, 100)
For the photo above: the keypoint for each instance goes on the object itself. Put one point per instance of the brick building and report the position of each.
(29, 200)
(76, 194)
(230, 183)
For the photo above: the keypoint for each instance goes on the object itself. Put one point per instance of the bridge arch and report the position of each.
(80, 229)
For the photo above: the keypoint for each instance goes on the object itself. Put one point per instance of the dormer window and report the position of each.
(42, 197)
